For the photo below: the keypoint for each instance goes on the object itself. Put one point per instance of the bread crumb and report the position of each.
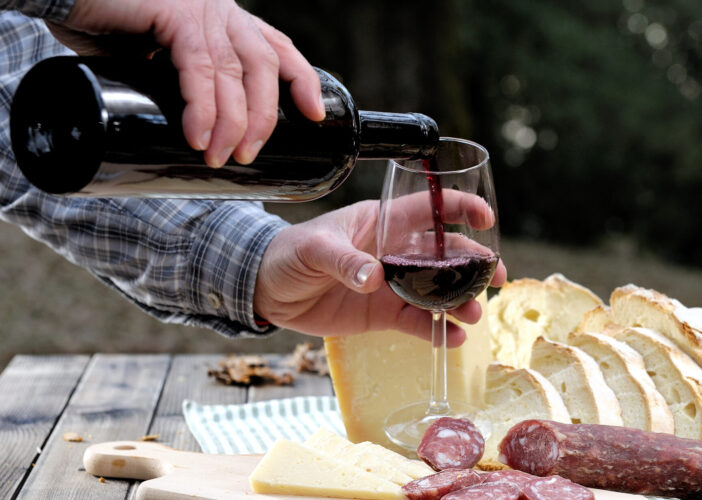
(150, 437)
(73, 437)
(102, 479)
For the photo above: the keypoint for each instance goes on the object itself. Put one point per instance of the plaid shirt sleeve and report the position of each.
(184, 261)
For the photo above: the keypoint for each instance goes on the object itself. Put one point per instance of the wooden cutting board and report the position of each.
(173, 474)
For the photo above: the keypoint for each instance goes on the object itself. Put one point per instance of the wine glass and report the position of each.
(438, 241)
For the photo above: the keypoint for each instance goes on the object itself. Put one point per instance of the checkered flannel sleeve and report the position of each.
(183, 261)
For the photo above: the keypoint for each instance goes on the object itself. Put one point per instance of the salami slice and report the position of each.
(437, 485)
(451, 443)
(608, 457)
(555, 488)
(497, 490)
(517, 477)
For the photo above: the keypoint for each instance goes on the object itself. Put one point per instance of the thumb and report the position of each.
(357, 270)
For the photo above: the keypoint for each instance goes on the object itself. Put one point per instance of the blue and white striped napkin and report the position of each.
(254, 427)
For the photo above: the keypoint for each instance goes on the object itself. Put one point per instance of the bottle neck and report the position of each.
(397, 135)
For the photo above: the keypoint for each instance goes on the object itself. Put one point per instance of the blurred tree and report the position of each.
(591, 110)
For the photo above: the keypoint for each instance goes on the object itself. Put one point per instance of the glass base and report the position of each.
(406, 426)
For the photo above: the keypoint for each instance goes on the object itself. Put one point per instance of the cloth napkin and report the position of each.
(254, 427)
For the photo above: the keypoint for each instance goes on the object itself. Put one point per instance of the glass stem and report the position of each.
(438, 397)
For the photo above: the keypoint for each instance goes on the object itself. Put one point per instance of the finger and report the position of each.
(470, 312)
(500, 275)
(459, 208)
(196, 74)
(260, 66)
(418, 322)
(305, 87)
(357, 270)
(230, 96)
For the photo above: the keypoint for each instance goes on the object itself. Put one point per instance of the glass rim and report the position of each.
(402, 163)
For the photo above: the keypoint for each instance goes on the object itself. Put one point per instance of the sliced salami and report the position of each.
(517, 477)
(555, 488)
(451, 443)
(608, 457)
(497, 490)
(437, 485)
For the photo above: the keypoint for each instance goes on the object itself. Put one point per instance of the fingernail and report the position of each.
(364, 273)
(204, 140)
(251, 152)
(322, 107)
(223, 156)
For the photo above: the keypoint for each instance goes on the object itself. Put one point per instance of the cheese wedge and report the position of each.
(290, 468)
(375, 373)
(366, 458)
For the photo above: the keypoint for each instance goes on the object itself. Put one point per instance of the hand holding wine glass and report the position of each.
(438, 240)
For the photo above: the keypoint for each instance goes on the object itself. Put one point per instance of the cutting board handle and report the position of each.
(131, 459)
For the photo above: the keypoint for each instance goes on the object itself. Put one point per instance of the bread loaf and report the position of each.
(635, 306)
(512, 395)
(643, 407)
(579, 381)
(526, 309)
(676, 375)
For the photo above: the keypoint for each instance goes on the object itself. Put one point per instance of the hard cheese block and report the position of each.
(291, 468)
(377, 372)
(370, 457)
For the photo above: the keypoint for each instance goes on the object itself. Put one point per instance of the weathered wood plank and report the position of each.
(306, 384)
(115, 400)
(34, 391)
(188, 380)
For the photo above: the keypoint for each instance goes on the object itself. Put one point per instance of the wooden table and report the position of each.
(105, 397)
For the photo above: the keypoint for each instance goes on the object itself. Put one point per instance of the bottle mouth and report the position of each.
(452, 156)
(56, 126)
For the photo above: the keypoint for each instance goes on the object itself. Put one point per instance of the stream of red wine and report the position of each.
(437, 205)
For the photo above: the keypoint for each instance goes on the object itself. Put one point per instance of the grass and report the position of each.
(48, 305)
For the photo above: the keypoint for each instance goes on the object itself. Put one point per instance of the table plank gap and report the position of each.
(34, 391)
(115, 400)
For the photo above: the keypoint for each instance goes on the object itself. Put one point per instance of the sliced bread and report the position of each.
(676, 375)
(525, 309)
(598, 319)
(643, 407)
(579, 381)
(635, 306)
(512, 395)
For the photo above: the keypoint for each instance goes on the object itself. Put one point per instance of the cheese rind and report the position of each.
(375, 373)
(291, 468)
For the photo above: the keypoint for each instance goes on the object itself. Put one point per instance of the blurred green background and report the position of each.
(592, 112)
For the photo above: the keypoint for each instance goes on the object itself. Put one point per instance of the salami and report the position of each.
(451, 443)
(437, 485)
(608, 457)
(517, 477)
(497, 490)
(555, 488)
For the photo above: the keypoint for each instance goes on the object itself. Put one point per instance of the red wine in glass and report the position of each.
(438, 284)
(437, 205)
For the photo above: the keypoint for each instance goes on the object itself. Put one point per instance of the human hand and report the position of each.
(229, 64)
(320, 278)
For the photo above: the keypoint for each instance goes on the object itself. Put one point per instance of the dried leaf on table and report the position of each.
(307, 359)
(248, 370)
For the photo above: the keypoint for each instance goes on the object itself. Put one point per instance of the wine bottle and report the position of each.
(104, 127)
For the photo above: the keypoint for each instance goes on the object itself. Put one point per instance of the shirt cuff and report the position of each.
(54, 10)
(225, 260)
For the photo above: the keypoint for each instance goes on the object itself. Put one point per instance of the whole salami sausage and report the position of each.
(605, 456)
(555, 488)
(498, 490)
(437, 485)
(451, 443)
